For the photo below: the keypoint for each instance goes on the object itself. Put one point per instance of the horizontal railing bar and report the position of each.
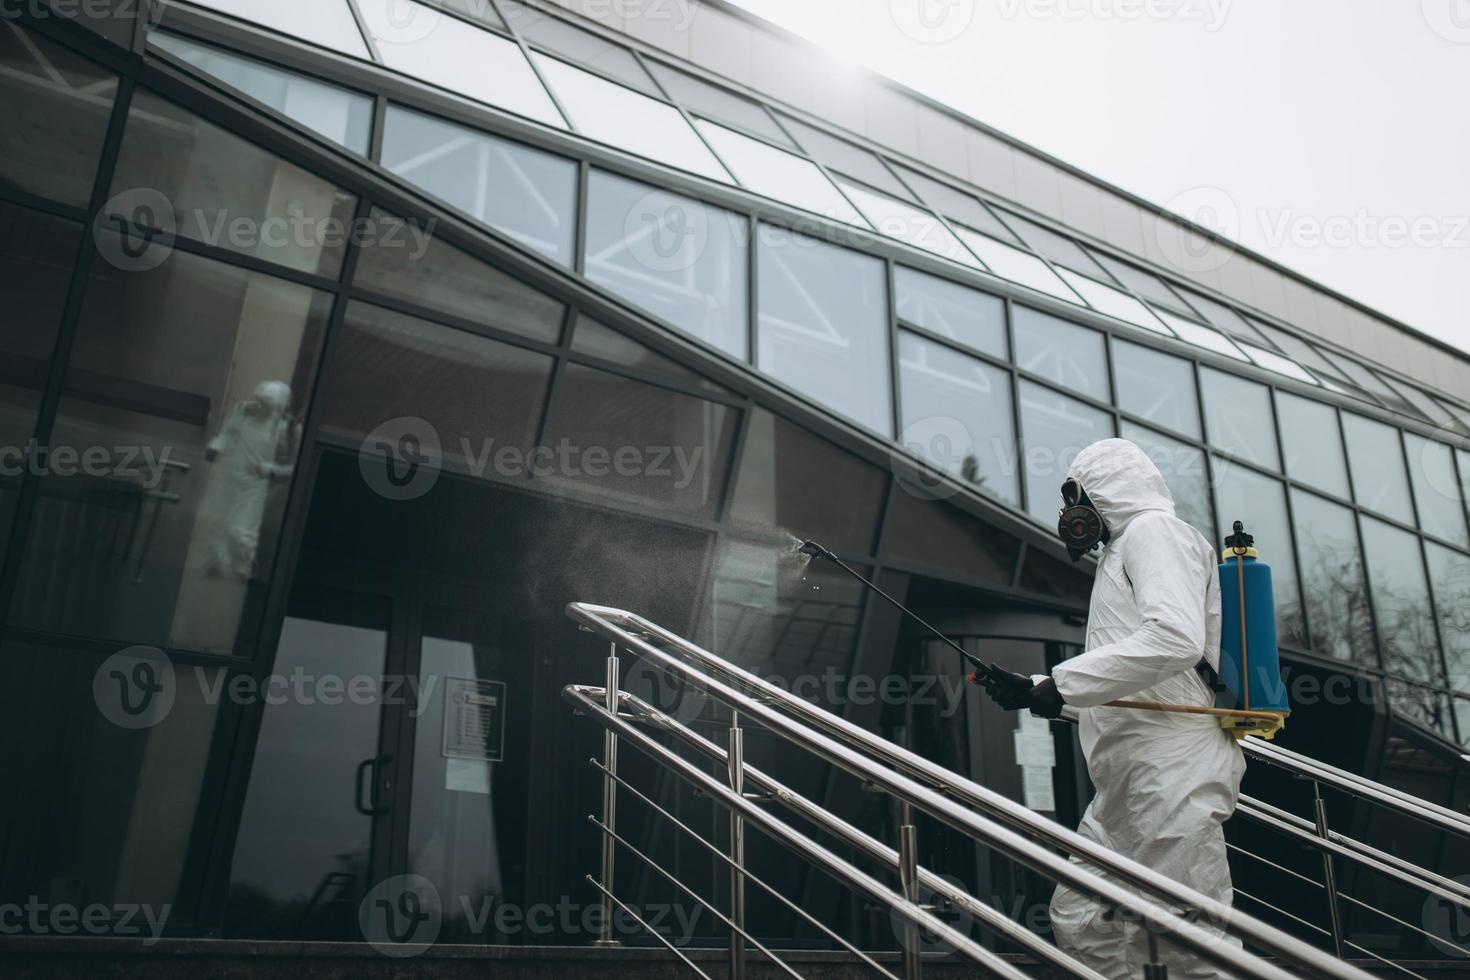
(995, 920)
(1407, 925)
(784, 834)
(648, 928)
(1384, 960)
(900, 781)
(1266, 861)
(674, 880)
(1448, 886)
(1313, 840)
(1359, 786)
(1281, 911)
(750, 875)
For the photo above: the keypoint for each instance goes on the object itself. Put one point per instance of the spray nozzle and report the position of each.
(815, 550)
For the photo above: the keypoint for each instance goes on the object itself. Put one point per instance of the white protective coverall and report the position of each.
(1165, 782)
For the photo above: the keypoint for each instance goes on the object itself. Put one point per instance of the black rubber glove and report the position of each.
(1015, 691)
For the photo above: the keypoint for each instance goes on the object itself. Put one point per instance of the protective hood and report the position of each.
(275, 395)
(1121, 481)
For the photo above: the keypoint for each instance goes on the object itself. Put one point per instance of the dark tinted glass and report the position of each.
(957, 416)
(605, 344)
(177, 172)
(794, 483)
(528, 194)
(1332, 579)
(1156, 386)
(637, 443)
(967, 316)
(1072, 356)
(404, 262)
(57, 107)
(1312, 443)
(1401, 602)
(1058, 577)
(1449, 574)
(180, 425)
(933, 535)
(1376, 461)
(409, 390)
(1238, 417)
(678, 258)
(36, 256)
(104, 814)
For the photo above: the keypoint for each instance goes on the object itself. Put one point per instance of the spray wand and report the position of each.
(976, 676)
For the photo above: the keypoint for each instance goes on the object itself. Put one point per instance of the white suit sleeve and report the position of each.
(1170, 589)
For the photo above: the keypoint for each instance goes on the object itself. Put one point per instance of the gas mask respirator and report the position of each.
(1079, 525)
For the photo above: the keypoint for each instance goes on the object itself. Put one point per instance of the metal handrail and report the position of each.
(1359, 786)
(935, 790)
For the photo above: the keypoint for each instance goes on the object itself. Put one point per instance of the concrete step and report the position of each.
(55, 958)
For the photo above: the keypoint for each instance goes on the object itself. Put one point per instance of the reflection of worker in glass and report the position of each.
(1165, 782)
(252, 452)
(247, 455)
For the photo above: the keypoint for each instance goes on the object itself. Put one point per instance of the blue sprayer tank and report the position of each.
(1250, 665)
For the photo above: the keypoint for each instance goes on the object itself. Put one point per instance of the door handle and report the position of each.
(372, 808)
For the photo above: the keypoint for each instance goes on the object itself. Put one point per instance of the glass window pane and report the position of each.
(1183, 467)
(481, 10)
(783, 176)
(678, 258)
(1401, 602)
(1016, 265)
(1449, 573)
(1113, 302)
(460, 57)
(339, 114)
(609, 113)
(528, 194)
(1156, 386)
(1072, 356)
(1145, 284)
(37, 252)
(1312, 443)
(1054, 429)
(1376, 462)
(1396, 399)
(1202, 336)
(473, 397)
(967, 316)
(1220, 315)
(1299, 350)
(702, 98)
(328, 23)
(1272, 361)
(639, 444)
(957, 415)
(176, 171)
(1333, 586)
(1238, 417)
(103, 817)
(1054, 245)
(824, 324)
(908, 224)
(1423, 404)
(582, 47)
(181, 409)
(1259, 502)
(929, 534)
(838, 154)
(1362, 377)
(1436, 489)
(602, 342)
(954, 203)
(794, 483)
(405, 262)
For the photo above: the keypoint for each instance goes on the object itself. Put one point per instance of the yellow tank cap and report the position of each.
(1260, 727)
(1230, 553)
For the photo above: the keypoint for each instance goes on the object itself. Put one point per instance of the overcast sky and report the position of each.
(1337, 130)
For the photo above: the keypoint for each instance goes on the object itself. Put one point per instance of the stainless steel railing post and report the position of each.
(908, 874)
(1154, 969)
(609, 801)
(736, 761)
(1329, 875)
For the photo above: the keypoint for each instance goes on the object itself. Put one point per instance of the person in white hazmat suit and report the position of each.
(1165, 782)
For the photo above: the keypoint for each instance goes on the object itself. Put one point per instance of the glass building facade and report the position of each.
(330, 361)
